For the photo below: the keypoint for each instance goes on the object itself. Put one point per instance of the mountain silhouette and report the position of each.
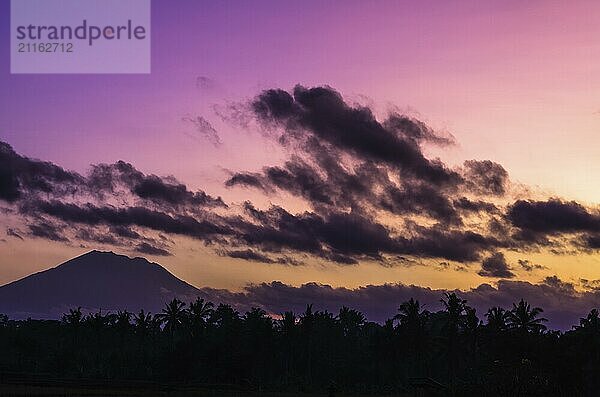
(94, 281)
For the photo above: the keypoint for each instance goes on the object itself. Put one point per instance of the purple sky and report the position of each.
(514, 82)
(501, 76)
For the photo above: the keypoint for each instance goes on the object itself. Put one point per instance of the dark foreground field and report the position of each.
(23, 390)
(215, 351)
(78, 391)
(74, 389)
(18, 385)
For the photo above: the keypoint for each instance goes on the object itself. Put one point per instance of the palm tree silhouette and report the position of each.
(144, 322)
(496, 319)
(287, 326)
(350, 320)
(525, 318)
(224, 316)
(287, 323)
(98, 321)
(412, 319)
(307, 324)
(172, 316)
(470, 321)
(591, 323)
(73, 318)
(122, 320)
(588, 331)
(199, 312)
(412, 315)
(447, 350)
(454, 308)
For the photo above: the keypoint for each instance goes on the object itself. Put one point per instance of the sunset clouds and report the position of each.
(369, 190)
(341, 150)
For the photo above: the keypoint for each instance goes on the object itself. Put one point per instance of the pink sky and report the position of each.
(515, 82)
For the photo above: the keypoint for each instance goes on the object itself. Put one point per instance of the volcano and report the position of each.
(94, 281)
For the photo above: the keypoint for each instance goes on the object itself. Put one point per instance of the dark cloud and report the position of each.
(337, 236)
(47, 231)
(371, 192)
(204, 128)
(14, 233)
(456, 245)
(9, 185)
(107, 178)
(451, 266)
(592, 241)
(19, 175)
(529, 266)
(486, 177)
(92, 235)
(148, 249)
(154, 188)
(347, 159)
(354, 236)
(416, 130)
(234, 113)
(327, 185)
(249, 255)
(205, 83)
(277, 229)
(562, 304)
(340, 237)
(495, 266)
(121, 236)
(552, 216)
(131, 216)
(252, 255)
(324, 183)
(593, 285)
(339, 258)
(246, 179)
(299, 178)
(25, 179)
(123, 231)
(420, 199)
(321, 113)
(560, 286)
(465, 204)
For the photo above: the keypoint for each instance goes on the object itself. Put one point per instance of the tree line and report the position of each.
(506, 353)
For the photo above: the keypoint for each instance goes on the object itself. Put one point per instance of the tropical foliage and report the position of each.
(510, 353)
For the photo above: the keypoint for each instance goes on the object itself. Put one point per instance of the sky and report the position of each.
(513, 85)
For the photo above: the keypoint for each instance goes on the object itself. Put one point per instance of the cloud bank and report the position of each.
(370, 194)
(562, 304)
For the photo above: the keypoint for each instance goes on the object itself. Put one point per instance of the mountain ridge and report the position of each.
(96, 280)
